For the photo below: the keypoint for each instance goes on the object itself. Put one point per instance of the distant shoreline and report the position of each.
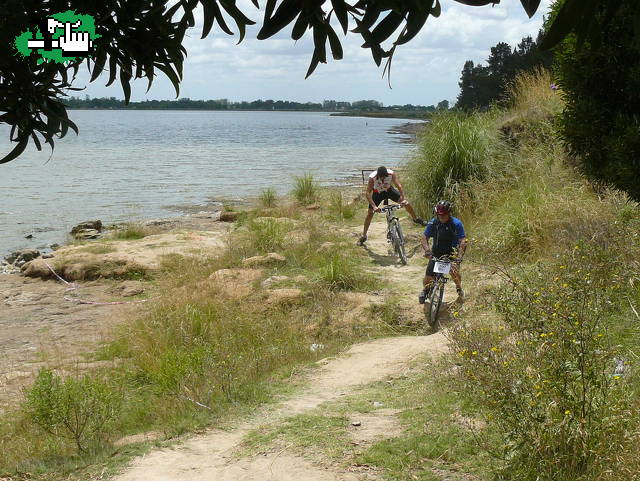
(384, 115)
(380, 115)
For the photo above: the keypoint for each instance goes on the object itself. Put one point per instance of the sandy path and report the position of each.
(210, 456)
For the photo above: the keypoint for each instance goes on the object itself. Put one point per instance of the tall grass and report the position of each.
(268, 197)
(306, 190)
(338, 208)
(131, 232)
(531, 95)
(453, 149)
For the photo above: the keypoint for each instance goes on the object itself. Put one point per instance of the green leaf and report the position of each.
(209, 16)
(283, 16)
(387, 26)
(98, 64)
(340, 7)
(477, 3)
(319, 42)
(125, 78)
(334, 42)
(299, 27)
(312, 65)
(16, 151)
(530, 6)
(415, 22)
(436, 10)
(168, 71)
(370, 17)
(564, 22)
(220, 18)
(113, 69)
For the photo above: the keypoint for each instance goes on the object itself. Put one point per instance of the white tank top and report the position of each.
(380, 185)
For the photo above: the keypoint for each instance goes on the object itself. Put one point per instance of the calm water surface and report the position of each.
(132, 165)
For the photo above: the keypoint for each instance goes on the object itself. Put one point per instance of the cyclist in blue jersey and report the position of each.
(450, 240)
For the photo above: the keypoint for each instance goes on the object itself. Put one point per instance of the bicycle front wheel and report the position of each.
(435, 301)
(398, 240)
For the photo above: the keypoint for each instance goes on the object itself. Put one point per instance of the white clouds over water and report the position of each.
(425, 71)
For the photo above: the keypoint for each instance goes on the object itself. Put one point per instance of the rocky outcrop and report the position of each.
(21, 257)
(37, 268)
(284, 296)
(228, 216)
(83, 234)
(269, 259)
(88, 225)
(128, 289)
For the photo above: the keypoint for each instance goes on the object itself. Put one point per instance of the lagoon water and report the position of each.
(133, 165)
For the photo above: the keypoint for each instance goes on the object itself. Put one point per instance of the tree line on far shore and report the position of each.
(225, 104)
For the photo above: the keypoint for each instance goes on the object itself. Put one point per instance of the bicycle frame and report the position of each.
(437, 292)
(394, 231)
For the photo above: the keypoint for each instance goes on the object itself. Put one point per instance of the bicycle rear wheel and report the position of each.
(435, 301)
(398, 241)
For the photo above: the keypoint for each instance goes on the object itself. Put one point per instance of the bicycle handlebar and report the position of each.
(391, 207)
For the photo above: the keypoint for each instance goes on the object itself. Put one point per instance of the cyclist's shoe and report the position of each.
(419, 221)
(422, 297)
(362, 240)
(460, 292)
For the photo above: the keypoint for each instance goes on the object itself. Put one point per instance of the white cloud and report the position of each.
(424, 71)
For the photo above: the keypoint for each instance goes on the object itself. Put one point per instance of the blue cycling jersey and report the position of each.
(459, 230)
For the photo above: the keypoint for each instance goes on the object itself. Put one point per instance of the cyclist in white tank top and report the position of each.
(380, 187)
(382, 184)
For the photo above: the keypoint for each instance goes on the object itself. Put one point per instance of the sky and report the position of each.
(424, 71)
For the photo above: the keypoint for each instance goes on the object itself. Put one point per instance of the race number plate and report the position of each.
(442, 267)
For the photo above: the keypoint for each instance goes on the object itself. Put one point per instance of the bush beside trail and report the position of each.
(554, 363)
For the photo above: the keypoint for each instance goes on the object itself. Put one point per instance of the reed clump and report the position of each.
(268, 198)
(454, 149)
(306, 190)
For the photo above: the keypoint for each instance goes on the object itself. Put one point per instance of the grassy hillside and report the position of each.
(553, 361)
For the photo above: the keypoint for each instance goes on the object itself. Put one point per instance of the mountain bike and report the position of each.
(441, 269)
(394, 231)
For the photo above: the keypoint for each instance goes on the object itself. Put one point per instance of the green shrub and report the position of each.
(306, 190)
(130, 232)
(81, 408)
(338, 271)
(268, 197)
(338, 208)
(601, 85)
(266, 234)
(547, 372)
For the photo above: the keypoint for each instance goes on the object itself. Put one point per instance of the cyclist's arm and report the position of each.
(396, 182)
(370, 194)
(462, 247)
(462, 240)
(424, 240)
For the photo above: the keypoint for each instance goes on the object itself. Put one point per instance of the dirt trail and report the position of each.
(211, 456)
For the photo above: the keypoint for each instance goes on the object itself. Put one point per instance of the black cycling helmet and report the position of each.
(442, 207)
(382, 171)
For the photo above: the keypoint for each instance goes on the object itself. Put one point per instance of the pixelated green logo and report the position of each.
(59, 38)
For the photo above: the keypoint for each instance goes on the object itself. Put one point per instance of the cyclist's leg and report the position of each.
(395, 196)
(427, 282)
(457, 279)
(455, 274)
(367, 220)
